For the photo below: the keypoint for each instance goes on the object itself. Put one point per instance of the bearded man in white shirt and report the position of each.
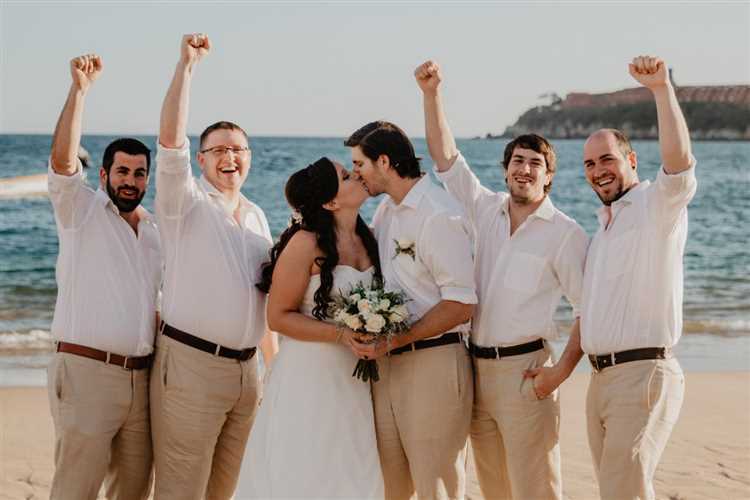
(108, 276)
(631, 314)
(423, 398)
(204, 386)
(527, 255)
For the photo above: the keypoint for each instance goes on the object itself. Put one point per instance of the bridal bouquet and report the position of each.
(376, 313)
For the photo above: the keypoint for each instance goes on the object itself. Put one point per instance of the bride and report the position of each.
(314, 436)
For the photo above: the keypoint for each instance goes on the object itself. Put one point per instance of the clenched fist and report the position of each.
(194, 47)
(651, 72)
(428, 76)
(85, 70)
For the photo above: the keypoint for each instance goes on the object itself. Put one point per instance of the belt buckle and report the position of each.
(595, 363)
(218, 348)
(612, 358)
(497, 356)
(125, 363)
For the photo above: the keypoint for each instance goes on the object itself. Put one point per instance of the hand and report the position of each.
(370, 350)
(545, 379)
(193, 48)
(651, 72)
(85, 70)
(428, 76)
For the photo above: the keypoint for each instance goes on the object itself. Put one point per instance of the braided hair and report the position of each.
(306, 191)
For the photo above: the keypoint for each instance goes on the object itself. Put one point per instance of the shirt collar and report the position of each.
(103, 198)
(213, 192)
(415, 194)
(545, 211)
(628, 198)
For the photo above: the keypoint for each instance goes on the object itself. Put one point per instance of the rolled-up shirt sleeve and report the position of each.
(175, 185)
(673, 192)
(69, 195)
(461, 182)
(445, 248)
(569, 264)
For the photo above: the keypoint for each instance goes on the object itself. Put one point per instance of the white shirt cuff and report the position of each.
(457, 294)
(60, 181)
(458, 164)
(171, 160)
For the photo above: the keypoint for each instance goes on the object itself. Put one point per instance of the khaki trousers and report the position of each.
(631, 409)
(202, 408)
(514, 435)
(422, 413)
(102, 431)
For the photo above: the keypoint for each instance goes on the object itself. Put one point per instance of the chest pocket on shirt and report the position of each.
(524, 272)
(621, 247)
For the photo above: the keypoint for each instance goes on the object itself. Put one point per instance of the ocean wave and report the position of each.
(729, 327)
(31, 340)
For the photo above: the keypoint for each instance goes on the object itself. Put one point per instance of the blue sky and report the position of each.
(324, 69)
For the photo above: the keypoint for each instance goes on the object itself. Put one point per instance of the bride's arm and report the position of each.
(288, 285)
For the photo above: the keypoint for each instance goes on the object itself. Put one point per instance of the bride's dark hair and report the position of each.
(306, 191)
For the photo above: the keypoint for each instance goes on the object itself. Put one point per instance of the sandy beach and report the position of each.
(708, 456)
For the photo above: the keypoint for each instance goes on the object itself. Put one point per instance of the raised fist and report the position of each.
(194, 47)
(428, 76)
(85, 70)
(651, 72)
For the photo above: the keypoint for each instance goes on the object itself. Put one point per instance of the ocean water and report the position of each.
(717, 263)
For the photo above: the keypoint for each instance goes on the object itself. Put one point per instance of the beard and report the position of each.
(125, 205)
(613, 197)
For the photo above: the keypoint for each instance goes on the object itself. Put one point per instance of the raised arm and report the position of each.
(84, 70)
(674, 137)
(174, 111)
(440, 140)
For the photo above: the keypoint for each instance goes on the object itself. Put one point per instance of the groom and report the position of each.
(423, 399)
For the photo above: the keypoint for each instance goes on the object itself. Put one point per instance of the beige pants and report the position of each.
(422, 414)
(202, 408)
(631, 409)
(514, 435)
(102, 431)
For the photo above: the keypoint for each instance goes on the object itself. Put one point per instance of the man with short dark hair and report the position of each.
(527, 254)
(204, 386)
(631, 312)
(423, 398)
(108, 277)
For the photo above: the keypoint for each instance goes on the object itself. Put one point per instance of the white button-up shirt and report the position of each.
(430, 222)
(632, 292)
(520, 278)
(212, 263)
(108, 277)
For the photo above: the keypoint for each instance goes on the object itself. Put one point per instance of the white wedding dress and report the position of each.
(314, 435)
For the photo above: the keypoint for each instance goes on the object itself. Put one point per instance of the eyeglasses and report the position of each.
(220, 151)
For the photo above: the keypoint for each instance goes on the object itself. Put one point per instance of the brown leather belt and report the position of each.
(504, 352)
(602, 361)
(109, 358)
(445, 339)
(205, 345)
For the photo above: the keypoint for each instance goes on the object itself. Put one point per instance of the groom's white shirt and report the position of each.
(430, 221)
(520, 278)
(212, 263)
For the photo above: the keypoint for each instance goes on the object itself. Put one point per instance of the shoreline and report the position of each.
(707, 457)
(25, 366)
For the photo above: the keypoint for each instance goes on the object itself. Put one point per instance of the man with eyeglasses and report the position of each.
(205, 386)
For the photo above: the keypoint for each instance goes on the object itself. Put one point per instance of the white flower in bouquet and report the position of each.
(384, 305)
(355, 297)
(375, 323)
(363, 305)
(353, 322)
(398, 313)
